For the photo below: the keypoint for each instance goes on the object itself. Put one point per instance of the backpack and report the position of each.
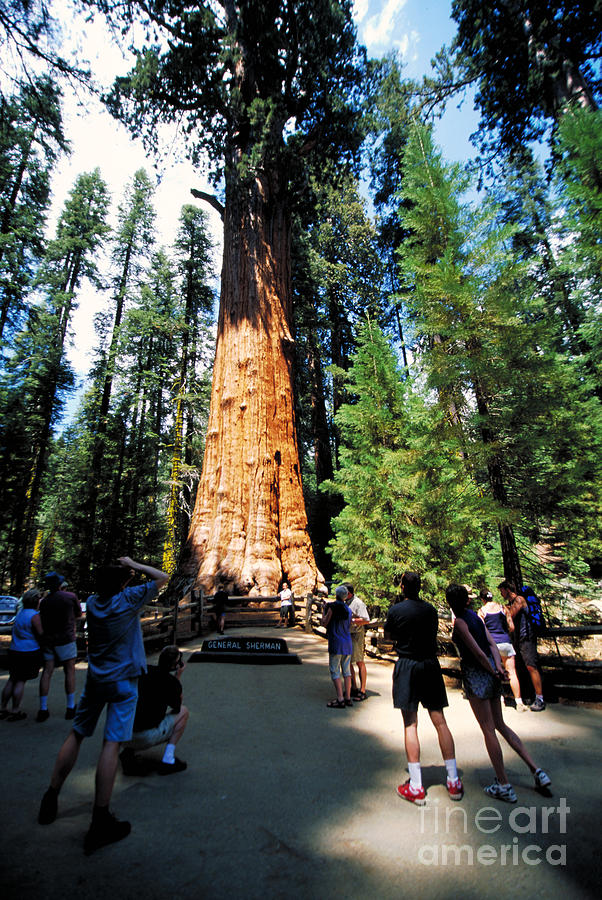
(536, 616)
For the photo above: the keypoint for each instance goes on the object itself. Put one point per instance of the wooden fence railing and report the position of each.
(565, 672)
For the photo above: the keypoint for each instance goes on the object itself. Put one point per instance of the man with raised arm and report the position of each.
(116, 659)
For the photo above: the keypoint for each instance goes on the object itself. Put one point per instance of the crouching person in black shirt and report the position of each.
(158, 690)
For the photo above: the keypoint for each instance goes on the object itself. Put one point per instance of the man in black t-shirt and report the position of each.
(412, 625)
(159, 689)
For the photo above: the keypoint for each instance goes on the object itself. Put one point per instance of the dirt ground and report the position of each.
(284, 798)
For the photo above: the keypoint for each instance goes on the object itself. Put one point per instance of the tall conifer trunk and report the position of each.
(249, 525)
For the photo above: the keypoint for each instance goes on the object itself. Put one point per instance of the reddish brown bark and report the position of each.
(249, 525)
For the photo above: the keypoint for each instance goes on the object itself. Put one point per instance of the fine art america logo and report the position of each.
(528, 846)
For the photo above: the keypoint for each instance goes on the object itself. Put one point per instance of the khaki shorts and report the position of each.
(142, 740)
(358, 639)
(62, 654)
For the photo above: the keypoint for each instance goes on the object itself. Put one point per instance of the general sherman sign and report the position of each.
(247, 645)
(252, 650)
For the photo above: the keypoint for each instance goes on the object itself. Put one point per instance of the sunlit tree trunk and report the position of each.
(249, 525)
(170, 556)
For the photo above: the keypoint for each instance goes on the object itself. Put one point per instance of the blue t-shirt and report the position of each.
(115, 645)
(24, 639)
(339, 638)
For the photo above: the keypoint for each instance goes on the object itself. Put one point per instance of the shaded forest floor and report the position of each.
(284, 798)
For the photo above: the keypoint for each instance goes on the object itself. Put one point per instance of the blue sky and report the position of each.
(417, 29)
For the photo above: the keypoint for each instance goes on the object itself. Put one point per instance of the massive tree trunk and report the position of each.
(249, 526)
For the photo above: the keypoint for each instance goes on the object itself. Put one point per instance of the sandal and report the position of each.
(17, 716)
(336, 704)
(361, 695)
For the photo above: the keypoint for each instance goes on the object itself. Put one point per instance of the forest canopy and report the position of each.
(402, 371)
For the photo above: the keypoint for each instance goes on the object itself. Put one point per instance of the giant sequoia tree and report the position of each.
(258, 87)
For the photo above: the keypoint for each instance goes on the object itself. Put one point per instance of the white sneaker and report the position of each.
(541, 779)
(503, 792)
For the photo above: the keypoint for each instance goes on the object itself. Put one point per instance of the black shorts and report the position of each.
(528, 652)
(24, 665)
(417, 682)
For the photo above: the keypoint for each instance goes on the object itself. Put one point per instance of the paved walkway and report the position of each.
(284, 798)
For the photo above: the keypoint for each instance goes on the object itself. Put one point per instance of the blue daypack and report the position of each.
(535, 611)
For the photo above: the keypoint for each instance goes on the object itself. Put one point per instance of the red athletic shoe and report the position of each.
(414, 795)
(455, 789)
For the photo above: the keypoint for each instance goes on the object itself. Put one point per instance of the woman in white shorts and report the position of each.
(499, 624)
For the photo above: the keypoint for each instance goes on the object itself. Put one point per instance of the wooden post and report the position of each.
(308, 604)
(194, 611)
(201, 609)
(175, 623)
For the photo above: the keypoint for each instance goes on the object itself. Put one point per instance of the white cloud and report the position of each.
(407, 45)
(379, 28)
(360, 8)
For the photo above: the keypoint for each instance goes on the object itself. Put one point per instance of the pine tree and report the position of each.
(548, 63)
(488, 350)
(388, 121)
(29, 38)
(131, 242)
(409, 501)
(37, 376)
(31, 137)
(336, 279)
(193, 250)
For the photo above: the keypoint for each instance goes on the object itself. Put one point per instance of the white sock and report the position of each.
(452, 769)
(415, 775)
(539, 697)
(169, 756)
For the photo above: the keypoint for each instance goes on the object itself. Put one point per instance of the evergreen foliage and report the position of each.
(130, 244)
(252, 84)
(409, 502)
(31, 137)
(191, 388)
(337, 277)
(550, 58)
(490, 426)
(34, 386)
(487, 349)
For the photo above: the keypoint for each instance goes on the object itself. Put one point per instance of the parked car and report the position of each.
(9, 607)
